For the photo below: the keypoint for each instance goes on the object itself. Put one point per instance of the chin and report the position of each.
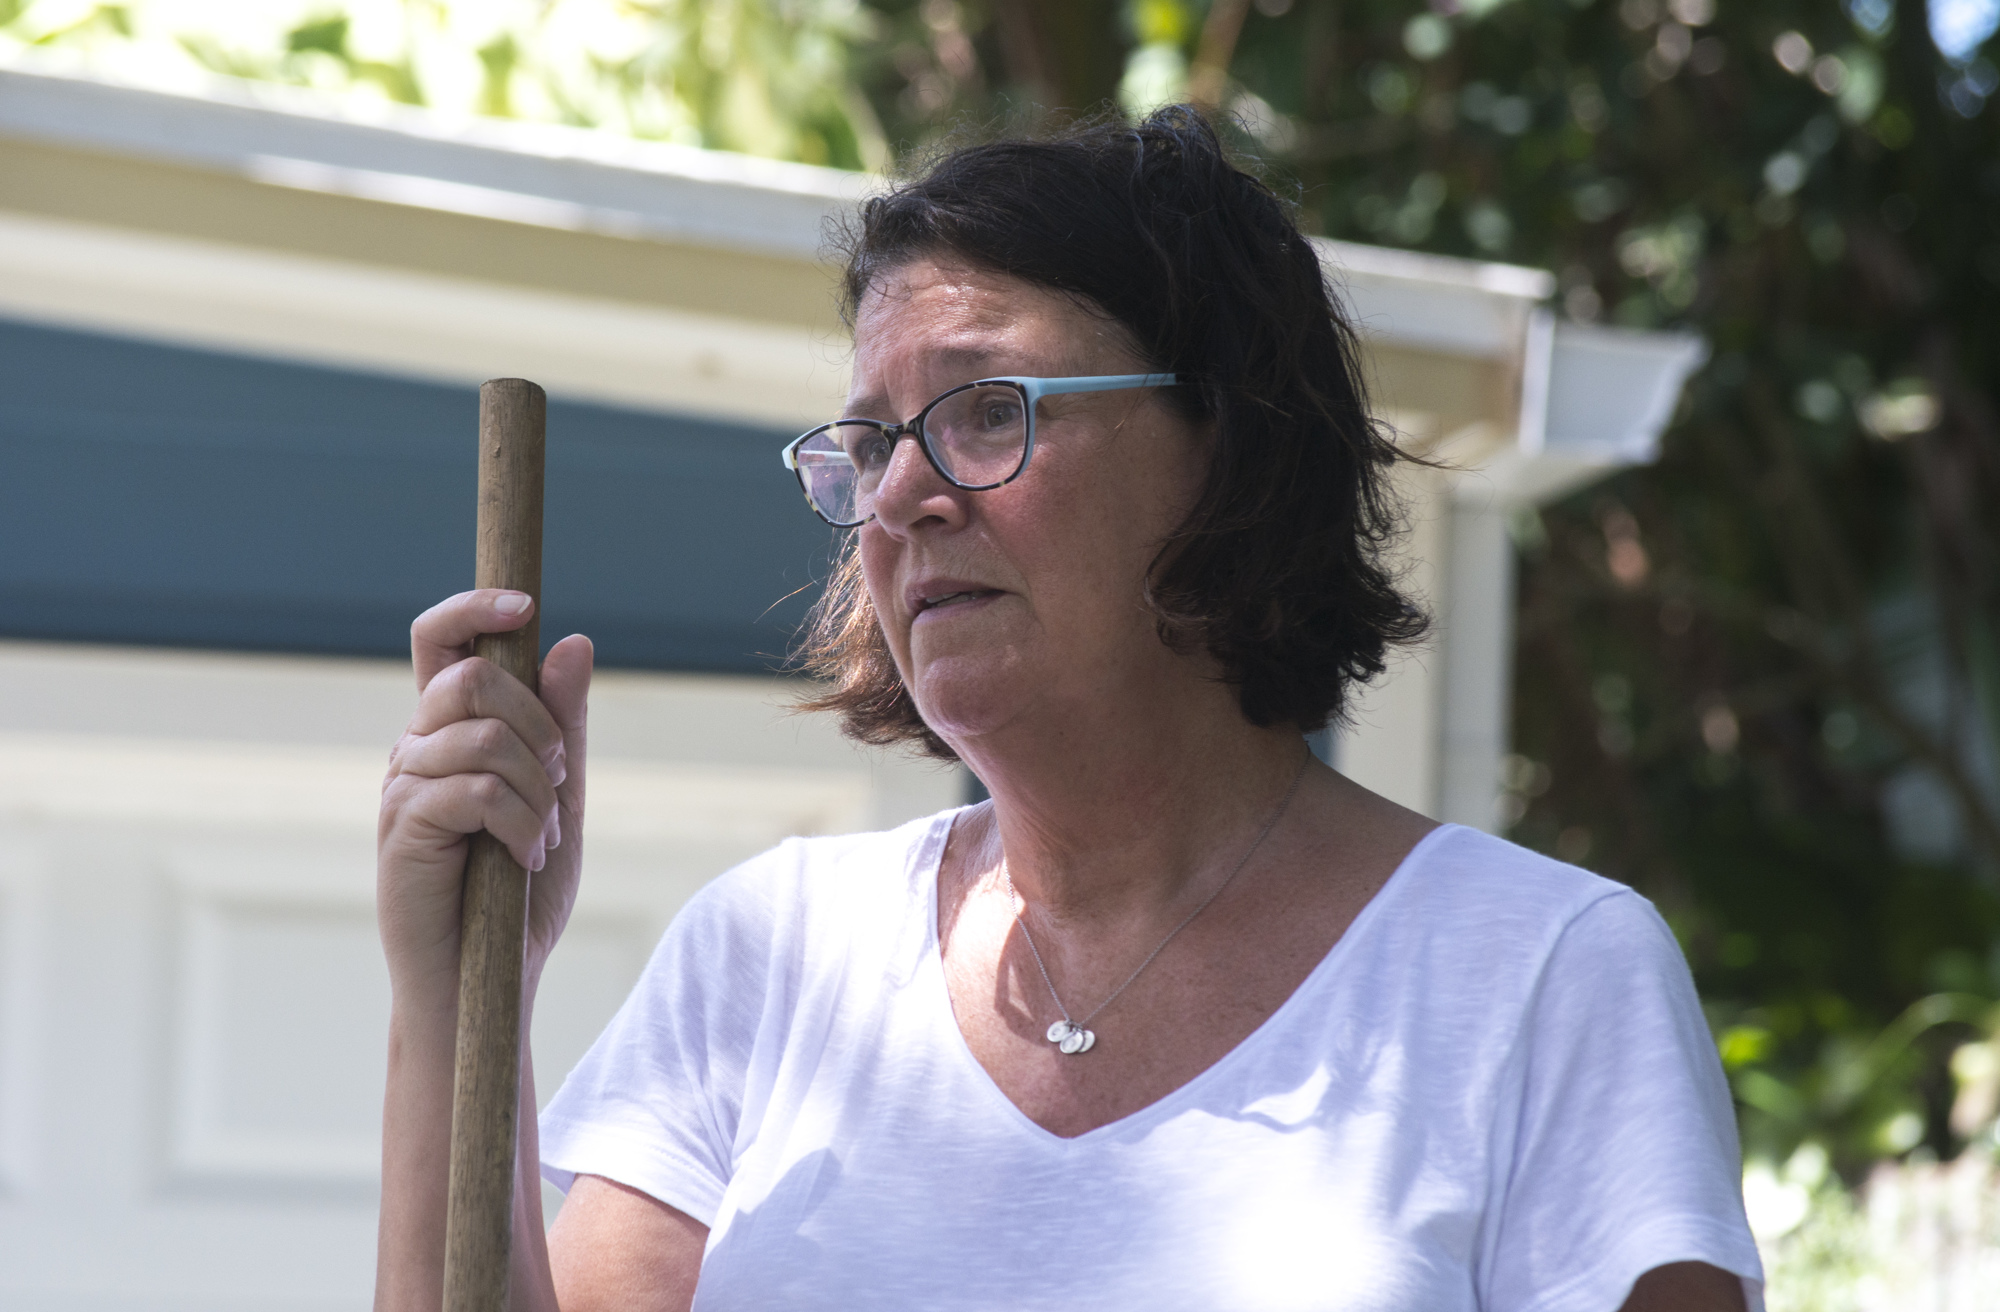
(971, 695)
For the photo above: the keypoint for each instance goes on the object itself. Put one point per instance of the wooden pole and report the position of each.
(487, 1080)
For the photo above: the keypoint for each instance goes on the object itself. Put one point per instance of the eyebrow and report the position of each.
(859, 407)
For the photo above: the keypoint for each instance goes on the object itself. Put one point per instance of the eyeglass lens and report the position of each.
(978, 437)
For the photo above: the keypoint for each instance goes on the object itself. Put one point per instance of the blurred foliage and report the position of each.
(771, 79)
(1922, 1235)
(1813, 1239)
(1759, 680)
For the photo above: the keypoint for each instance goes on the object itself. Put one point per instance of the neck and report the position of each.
(1122, 817)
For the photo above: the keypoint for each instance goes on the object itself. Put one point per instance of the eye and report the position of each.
(1000, 413)
(869, 450)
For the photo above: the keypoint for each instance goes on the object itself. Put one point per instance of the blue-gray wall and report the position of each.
(158, 495)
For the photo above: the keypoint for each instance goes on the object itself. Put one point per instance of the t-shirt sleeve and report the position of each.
(1620, 1153)
(656, 1102)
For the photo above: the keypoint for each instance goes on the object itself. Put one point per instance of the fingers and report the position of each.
(481, 747)
(442, 636)
(477, 729)
(475, 689)
(446, 810)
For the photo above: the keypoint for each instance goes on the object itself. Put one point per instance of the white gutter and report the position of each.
(1605, 396)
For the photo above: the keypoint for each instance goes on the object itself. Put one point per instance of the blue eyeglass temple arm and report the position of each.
(1037, 388)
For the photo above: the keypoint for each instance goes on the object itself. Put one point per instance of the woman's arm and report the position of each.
(416, 1143)
(481, 752)
(615, 1249)
(612, 1248)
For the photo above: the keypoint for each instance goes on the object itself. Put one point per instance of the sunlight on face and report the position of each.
(1024, 602)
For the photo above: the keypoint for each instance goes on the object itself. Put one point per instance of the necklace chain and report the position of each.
(1079, 1025)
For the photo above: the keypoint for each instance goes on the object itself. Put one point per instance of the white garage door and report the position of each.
(192, 1000)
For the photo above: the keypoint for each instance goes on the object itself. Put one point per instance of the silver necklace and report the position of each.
(1071, 1037)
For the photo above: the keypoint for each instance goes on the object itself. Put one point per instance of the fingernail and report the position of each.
(539, 859)
(511, 603)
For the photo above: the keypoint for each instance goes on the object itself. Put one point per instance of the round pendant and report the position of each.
(1061, 1030)
(1077, 1041)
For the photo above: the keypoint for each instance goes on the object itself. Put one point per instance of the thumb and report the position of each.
(565, 683)
(565, 691)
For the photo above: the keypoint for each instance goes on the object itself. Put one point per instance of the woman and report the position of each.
(1180, 1018)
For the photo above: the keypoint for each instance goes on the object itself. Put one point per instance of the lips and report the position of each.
(942, 594)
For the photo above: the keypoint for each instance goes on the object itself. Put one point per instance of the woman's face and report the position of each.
(1023, 603)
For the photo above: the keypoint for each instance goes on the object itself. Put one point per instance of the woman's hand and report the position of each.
(481, 752)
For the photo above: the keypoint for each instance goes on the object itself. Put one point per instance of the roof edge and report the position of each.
(1514, 281)
(552, 141)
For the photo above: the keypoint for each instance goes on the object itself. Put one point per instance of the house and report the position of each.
(240, 336)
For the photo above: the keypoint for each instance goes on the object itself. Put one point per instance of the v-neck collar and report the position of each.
(928, 863)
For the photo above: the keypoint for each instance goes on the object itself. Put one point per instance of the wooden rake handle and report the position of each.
(487, 1080)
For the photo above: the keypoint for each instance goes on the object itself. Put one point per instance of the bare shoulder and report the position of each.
(1325, 867)
(1468, 876)
(1357, 837)
(615, 1249)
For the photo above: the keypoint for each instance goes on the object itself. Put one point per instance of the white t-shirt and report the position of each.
(1495, 1092)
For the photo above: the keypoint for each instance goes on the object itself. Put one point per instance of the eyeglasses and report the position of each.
(978, 436)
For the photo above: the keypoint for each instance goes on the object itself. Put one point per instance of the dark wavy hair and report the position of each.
(1278, 569)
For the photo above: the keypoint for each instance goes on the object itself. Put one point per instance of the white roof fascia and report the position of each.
(1593, 399)
(459, 331)
(548, 175)
(1436, 302)
(541, 174)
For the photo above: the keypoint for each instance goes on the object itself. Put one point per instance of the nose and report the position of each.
(913, 494)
